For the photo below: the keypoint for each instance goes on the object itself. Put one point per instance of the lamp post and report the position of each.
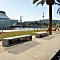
(43, 19)
(20, 21)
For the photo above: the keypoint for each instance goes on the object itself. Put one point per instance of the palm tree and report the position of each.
(50, 3)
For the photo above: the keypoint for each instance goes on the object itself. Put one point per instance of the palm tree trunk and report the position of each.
(50, 20)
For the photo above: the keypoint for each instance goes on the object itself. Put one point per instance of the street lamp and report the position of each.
(21, 21)
(43, 19)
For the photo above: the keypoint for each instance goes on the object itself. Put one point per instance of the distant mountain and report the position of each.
(46, 21)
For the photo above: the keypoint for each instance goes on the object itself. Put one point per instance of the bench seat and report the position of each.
(41, 34)
(11, 40)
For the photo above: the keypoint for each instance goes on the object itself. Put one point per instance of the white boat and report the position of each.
(5, 21)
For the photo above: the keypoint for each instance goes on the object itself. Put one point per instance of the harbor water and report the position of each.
(20, 29)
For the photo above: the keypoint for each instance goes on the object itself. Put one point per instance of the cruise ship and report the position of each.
(5, 21)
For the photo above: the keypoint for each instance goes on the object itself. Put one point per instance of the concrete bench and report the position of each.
(11, 40)
(41, 34)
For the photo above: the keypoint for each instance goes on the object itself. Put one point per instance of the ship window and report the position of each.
(4, 19)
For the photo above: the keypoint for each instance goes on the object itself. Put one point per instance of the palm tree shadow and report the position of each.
(48, 37)
(16, 49)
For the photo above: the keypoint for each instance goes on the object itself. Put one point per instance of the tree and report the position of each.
(50, 3)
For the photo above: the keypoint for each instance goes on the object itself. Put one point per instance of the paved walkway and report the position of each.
(37, 49)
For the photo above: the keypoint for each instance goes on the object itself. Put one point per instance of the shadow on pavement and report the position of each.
(19, 48)
(48, 38)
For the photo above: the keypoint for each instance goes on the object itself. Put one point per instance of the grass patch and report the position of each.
(17, 33)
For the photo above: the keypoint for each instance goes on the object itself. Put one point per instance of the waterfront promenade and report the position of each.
(37, 49)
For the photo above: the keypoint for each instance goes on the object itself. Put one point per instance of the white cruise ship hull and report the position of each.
(7, 23)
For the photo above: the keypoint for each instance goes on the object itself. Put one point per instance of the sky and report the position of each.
(25, 8)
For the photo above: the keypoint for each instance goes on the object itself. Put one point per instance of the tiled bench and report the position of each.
(11, 40)
(41, 34)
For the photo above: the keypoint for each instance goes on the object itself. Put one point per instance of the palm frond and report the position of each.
(41, 2)
(34, 1)
(58, 11)
(38, 3)
(58, 1)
